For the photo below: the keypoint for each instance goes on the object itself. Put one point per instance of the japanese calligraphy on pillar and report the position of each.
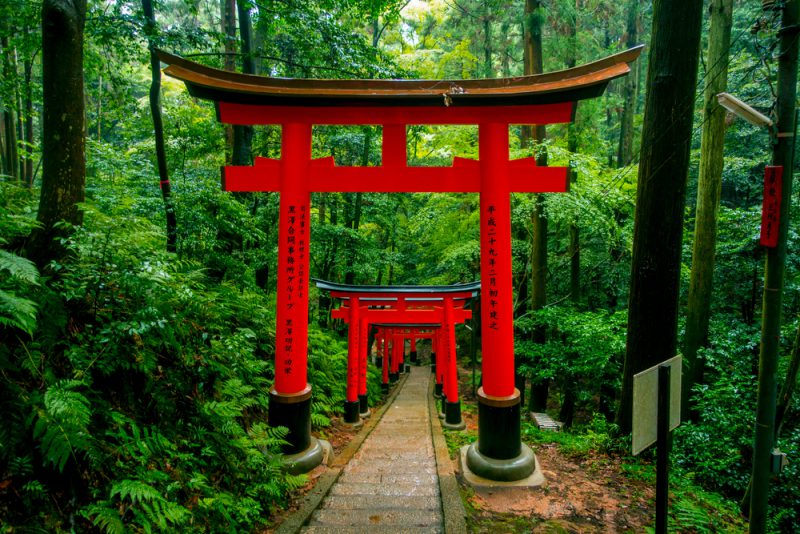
(492, 286)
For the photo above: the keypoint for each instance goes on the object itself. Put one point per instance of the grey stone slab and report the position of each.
(378, 502)
(396, 490)
(378, 517)
(374, 529)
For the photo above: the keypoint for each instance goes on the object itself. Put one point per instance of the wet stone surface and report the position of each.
(391, 484)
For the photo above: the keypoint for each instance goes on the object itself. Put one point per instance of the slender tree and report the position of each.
(772, 300)
(625, 147)
(709, 186)
(533, 64)
(661, 191)
(63, 141)
(243, 135)
(158, 129)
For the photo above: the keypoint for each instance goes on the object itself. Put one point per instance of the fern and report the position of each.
(62, 424)
(106, 518)
(19, 268)
(17, 312)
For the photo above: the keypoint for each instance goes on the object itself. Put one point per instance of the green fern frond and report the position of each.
(19, 268)
(105, 518)
(17, 312)
(62, 425)
(135, 490)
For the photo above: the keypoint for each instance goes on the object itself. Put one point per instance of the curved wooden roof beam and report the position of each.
(578, 83)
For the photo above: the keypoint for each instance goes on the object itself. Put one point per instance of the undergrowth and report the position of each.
(134, 388)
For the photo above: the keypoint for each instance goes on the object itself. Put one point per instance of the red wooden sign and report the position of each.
(771, 209)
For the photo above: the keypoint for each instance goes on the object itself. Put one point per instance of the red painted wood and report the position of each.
(403, 316)
(771, 208)
(291, 330)
(497, 323)
(441, 347)
(385, 361)
(353, 352)
(451, 370)
(414, 336)
(462, 177)
(363, 356)
(250, 114)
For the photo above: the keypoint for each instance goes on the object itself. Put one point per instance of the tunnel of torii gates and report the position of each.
(493, 104)
(400, 313)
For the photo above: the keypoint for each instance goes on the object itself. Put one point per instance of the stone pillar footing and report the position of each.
(499, 454)
(294, 412)
(351, 411)
(452, 416)
(306, 460)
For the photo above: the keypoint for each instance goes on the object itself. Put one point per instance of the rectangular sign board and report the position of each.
(645, 403)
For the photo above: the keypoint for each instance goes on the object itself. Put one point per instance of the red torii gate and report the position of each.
(398, 308)
(492, 104)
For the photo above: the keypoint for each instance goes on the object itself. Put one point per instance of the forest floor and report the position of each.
(585, 492)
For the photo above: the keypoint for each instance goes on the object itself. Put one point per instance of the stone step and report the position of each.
(403, 517)
(378, 502)
(373, 529)
(369, 477)
(398, 490)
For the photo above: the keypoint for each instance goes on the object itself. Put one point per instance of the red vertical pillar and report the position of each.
(499, 453)
(363, 359)
(395, 361)
(385, 362)
(290, 398)
(440, 352)
(452, 404)
(351, 405)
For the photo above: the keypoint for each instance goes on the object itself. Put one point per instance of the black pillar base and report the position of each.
(433, 363)
(385, 388)
(363, 404)
(437, 391)
(452, 416)
(499, 454)
(413, 356)
(351, 411)
(407, 368)
(293, 412)
(394, 377)
(379, 362)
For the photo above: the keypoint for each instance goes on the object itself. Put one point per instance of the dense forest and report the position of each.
(137, 299)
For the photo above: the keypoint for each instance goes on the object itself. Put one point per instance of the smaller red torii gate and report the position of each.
(397, 308)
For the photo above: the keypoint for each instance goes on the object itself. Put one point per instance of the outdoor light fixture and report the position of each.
(740, 109)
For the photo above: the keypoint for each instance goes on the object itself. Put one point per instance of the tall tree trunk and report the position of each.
(625, 146)
(534, 65)
(158, 130)
(243, 135)
(661, 191)
(782, 156)
(488, 71)
(227, 10)
(10, 157)
(63, 142)
(709, 186)
(28, 68)
(574, 249)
